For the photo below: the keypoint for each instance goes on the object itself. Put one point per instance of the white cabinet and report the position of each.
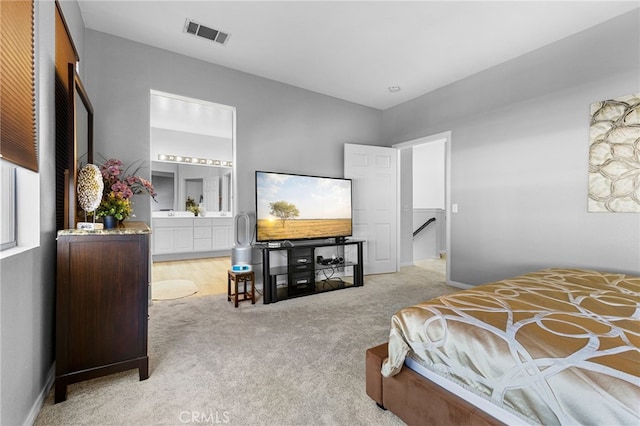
(173, 235)
(222, 237)
(163, 240)
(184, 239)
(202, 234)
(191, 234)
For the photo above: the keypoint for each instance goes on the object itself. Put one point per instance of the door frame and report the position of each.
(446, 137)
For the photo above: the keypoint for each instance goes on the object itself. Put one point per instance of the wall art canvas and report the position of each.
(614, 155)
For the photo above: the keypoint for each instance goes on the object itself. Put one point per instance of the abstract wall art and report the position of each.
(614, 155)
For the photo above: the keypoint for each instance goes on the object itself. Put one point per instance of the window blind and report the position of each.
(17, 84)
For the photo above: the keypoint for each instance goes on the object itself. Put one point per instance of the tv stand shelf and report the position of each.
(302, 275)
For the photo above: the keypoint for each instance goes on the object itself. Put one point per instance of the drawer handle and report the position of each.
(302, 260)
(302, 281)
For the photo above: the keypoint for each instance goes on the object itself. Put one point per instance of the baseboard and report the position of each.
(190, 255)
(459, 285)
(42, 396)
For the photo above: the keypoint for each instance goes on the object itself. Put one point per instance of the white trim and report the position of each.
(191, 100)
(27, 213)
(42, 396)
(438, 137)
(459, 285)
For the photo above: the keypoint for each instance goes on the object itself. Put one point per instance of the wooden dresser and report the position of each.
(101, 303)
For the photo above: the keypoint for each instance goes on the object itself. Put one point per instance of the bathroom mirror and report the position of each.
(208, 186)
(191, 154)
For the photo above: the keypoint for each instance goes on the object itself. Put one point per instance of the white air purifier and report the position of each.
(242, 252)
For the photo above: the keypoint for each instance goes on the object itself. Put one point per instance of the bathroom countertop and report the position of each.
(186, 214)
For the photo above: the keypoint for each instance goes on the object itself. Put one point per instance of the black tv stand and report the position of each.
(300, 274)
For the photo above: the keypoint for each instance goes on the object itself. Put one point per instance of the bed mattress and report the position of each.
(558, 346)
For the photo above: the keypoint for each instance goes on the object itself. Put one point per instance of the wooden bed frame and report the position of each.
(416, 400)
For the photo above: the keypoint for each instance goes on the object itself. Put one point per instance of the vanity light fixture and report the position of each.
(193, 160)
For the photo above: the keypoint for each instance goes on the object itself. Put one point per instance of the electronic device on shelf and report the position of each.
(241, 268)
(329, 260)
(292, 207)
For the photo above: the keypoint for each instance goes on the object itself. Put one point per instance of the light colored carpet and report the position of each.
(295, 362)
(172, 289)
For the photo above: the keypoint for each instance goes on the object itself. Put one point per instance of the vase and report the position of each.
(109, 222)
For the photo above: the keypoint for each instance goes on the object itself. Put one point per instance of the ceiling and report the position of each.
(354, 50)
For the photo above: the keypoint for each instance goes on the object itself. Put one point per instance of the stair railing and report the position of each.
(424, 225)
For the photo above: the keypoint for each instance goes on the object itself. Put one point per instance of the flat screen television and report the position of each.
(300, 207)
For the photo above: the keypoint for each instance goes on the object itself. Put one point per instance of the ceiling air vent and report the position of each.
(217, 36)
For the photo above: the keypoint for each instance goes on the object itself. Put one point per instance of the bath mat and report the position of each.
(172, 289)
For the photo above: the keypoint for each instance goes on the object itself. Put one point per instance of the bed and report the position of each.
(557, 346)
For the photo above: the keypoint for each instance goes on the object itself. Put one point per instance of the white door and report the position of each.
(373, 170)
(211, 189)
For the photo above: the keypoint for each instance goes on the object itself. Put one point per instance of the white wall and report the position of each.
(279, 127)
(428, 175)
(519, 156)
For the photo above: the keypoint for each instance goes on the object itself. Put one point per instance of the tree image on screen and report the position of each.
(284, 211)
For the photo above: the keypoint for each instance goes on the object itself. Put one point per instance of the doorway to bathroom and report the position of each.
(192, 146)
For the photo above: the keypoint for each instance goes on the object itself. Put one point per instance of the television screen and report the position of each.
(295, 207)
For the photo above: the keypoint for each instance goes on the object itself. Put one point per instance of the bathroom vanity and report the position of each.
(181, 235)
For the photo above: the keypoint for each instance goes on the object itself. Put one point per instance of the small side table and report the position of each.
(237, 278)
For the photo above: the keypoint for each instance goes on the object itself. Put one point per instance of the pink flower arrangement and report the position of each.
(118, 180)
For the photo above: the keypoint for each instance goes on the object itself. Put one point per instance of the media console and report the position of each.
(304, 268)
